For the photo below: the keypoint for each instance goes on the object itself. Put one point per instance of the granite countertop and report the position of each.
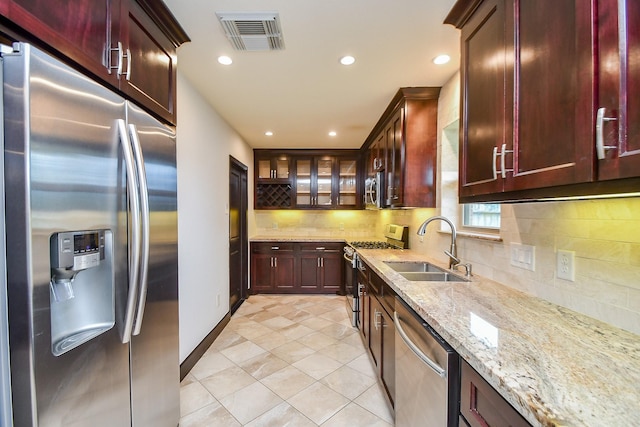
(289, 238)
(555, 366)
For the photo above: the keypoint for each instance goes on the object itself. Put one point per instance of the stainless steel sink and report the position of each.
(423, 272)
(431, 276)
(411, 266)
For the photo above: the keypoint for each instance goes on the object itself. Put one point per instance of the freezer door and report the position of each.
(63, 172)
(155, 365)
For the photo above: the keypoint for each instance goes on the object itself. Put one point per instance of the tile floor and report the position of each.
(285, 360)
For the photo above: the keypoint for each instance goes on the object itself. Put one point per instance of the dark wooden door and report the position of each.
(309, 271)
(619, 88)
(261, 273)
(553, 131)
(238, 262)
(486, 87)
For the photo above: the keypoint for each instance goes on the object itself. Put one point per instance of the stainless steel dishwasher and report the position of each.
(427, 374)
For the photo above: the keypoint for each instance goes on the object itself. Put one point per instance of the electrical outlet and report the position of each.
(218, 300)
(274, 225)
(342, 226)
(565, 265)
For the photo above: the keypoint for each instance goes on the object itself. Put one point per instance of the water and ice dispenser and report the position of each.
(82, 292)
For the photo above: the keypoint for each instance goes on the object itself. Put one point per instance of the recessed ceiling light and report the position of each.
(441, 59)
(225, 60)
(332, 133)
(347, 60)
(268, 133)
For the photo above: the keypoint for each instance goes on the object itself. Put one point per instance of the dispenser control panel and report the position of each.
(77, 250)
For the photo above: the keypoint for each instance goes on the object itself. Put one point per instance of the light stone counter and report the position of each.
(555, 366)
(288, 238)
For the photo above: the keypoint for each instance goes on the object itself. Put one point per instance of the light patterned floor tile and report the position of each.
(212, 415)
(292, 351)
(317, 365)
(354, 415)
(250, 402)
(348, 382)
(285, 361)
(374, 401)
(226, 382)
(318, 402)
(288, 381)
(283, 415)
(263, 365)
(194, 396)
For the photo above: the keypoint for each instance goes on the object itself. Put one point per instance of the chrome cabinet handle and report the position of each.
(275, 248)
(144, 221)
(433, 365)
(135, 238)
(376, 315)
(503, 156)
(117, 67)
(318, 262)
(320, 248)
(128, 76)
(600, 119)
(495, 158)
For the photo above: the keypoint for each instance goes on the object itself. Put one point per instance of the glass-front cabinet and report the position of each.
(307, 179)
(315, 182)
(347, 182)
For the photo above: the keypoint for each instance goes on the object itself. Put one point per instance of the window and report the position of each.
(481, 215)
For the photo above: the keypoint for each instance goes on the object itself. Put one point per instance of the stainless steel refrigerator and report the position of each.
(91, 251)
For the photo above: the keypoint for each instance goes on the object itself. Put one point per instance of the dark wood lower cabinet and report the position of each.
(382, 331)
(296, 267)
(482, 406)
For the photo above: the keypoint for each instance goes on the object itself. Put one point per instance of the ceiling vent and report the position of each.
(252, 31)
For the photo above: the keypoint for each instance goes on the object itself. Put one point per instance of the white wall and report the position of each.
(205, 142)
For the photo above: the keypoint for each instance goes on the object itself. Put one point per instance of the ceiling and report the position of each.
(302, 93)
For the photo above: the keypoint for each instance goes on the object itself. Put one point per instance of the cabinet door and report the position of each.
(261, 273)
(310, 271)
(363, 301)
(395, 169)
(332, 272)
(388, 370)
(284, 272)
(486, 85)
(375, 332)
(324, 179)
(553, 131)
(619, 88)
(77, 28)
(347, 183)
(304, 197)
(150, 76)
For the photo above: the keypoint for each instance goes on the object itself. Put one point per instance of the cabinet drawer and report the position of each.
(321, 247)
(263, 248)
(483, 406)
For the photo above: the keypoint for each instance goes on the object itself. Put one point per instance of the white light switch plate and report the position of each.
(523, 256)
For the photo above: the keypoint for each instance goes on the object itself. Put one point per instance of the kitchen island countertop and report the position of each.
(557, 367)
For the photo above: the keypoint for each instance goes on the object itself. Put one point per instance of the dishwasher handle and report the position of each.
(414, 348)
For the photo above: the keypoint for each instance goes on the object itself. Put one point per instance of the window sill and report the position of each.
(478, 236)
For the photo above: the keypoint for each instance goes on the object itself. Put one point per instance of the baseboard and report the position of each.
(198, 352)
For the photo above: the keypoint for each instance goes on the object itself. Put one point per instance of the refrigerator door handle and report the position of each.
(135, 243)
(144, 216)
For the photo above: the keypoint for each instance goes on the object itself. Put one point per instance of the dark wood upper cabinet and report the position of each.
(526, 96)
(307, 179)
(403, 145)
(130, 45)
(618, 124)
